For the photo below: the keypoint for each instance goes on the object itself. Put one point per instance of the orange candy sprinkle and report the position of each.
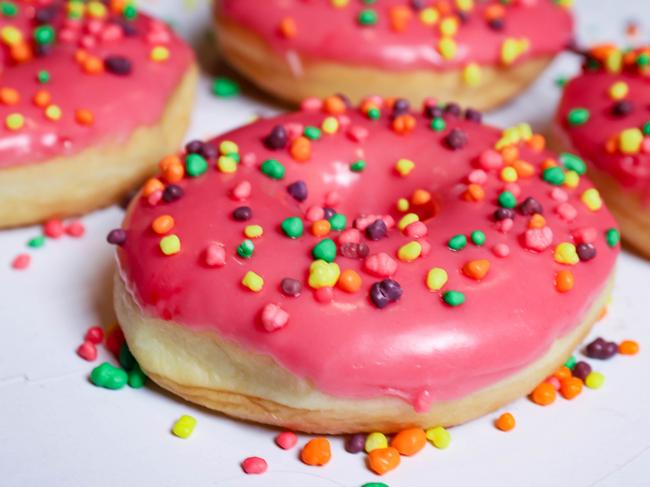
(84, 117)
(152, 185)
(628, 347)
(288, 28)
(403, 124)
(537, 142)
(320, 228)
(562, 373)
(409, 441)
(548, 163)
(163, 224)
(420, 197)
(544, 394)
(316, 452)
(536, 221)
(383, 460)
(474, 192)
(21, 52)
(172, 168)
(9, 96)
(564, 281)
(92, 65)
(570, 387)
(505, 422)
(334, 105)
(300, 149)
(524, 169)
(476, 269)
(399, 17)
(510, 154)
(350, 281)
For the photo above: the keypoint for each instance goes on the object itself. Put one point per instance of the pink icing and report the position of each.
(590, 90)
(119, 104)
(326, 32)
(418, 348)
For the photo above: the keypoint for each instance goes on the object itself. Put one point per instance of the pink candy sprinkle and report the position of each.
(274, 317)
(567, 212)
(311, 104)
(87, 351)
(501, 250)
(249, 159)
(314, 213)
(490, 159)
(645, 145)
(242, 191)
(324, 295)
(426, 247)
(559, 195)
(477, 176)
(75, 229)
(332, 198)
(357, 133)
(53, 228)
(21, 261)
(538, 238)
(554, 381)
(95, 334)
(254, 465)
(381, 265)
(514, 188)
(215, 255)
(416, 230)
(350, 235)
(504, 225)
(286, 440)
(294, 130)
(585, 235)
(154, 198)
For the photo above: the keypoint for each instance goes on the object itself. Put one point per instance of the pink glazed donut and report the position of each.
(342, 270)
(478, 53)
(604, 117)
(92, 95)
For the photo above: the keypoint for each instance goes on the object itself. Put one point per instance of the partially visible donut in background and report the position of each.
(604, 116)
(92, 95)
(480, 54)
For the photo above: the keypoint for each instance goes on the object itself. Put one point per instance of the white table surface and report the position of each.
(56, 429)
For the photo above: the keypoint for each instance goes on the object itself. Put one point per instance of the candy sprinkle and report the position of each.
(184, 427)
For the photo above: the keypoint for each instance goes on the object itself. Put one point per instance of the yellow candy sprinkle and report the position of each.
(403, 205)
(571, 179)
(429, 16)
(595, 380)
(630, 141)
(339, 3)
(436, 278)
(618, 90)
(96, 10)
(509, 174)
(53, 112)
(565, 253)
(592, 200)
(514, 135)
(447, 47)
(159, 54)
(14, 121)
(374, 441)
(406, 220)
(228, 147)
(614, 61)
(410, 251)
(170, 244)
(465, 5)
(472, 74)
(512, 48)
(449, 26)
(330, 125)
(323, 274)
(253, 231)
(10, 35)
(227, 164)
(439, 436)
(404, 167)
(253, 281)
(184, 427)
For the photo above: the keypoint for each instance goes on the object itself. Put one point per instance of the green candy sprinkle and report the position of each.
(438, 124)
(43, 76)
(573, 163)
(478, 237)
(8, 9)
(643, 60)
(554, 175)
(246, 249)
(137, 378)
(646, 128)
(561, 81)
(507, 200)
(292, 227)
(324, 250)
(130, 12)
(36, 242)
(374, 113)
(195, 165)
(368, 17)
(613, 237)
(570, 362)
(338, 221)
(44, 34)
(312, 133)
(457, 242)
(358, 166)
(225, 87)
(126, 358)
(374, 484)
(453, 298)
(273, 169)
(578, 116)
(109, 377)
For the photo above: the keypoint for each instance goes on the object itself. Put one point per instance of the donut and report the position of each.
(479, 54)
(343, 269)
(603, 116)
(92, 95)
